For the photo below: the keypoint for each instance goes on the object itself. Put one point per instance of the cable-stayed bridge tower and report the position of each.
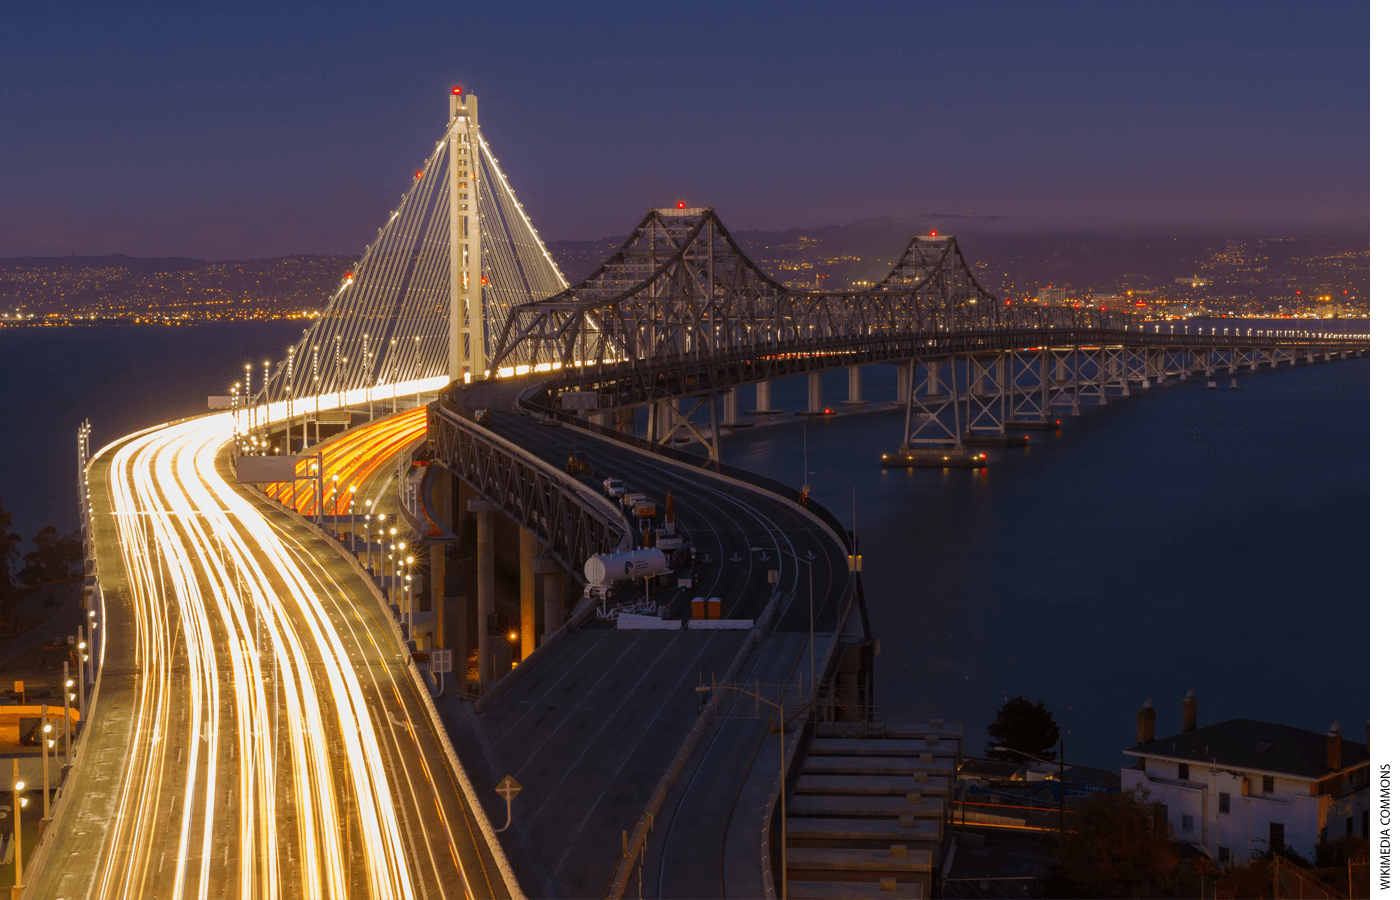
(435, 286)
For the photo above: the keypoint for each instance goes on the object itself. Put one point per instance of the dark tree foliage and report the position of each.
(1116, 846)
(1025, 726)
(54, 557)
(9, 555)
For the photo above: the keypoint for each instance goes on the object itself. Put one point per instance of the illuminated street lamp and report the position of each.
(21, 801)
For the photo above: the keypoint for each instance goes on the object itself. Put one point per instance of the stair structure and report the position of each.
(868, 813)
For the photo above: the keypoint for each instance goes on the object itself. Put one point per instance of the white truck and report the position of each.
(605, 570)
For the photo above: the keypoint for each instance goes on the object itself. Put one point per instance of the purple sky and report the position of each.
(250, 131)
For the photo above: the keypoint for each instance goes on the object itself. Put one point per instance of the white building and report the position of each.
(1242, 786)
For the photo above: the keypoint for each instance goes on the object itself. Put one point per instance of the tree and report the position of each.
(1025, 726)
(9, 554)
(54, 557)
(1117, 845)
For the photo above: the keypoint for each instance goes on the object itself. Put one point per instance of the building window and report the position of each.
(1183, 772)
(1188, 825)
(1224, 802)
(1223, 856)
(1268, 784)
(1275, 835)
(1349, 826)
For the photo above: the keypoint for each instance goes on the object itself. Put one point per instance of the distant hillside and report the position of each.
(120, 285)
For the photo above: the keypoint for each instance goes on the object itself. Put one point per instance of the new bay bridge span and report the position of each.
(431, 606)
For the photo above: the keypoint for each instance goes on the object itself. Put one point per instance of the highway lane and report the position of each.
(723, 520)
(275, 745)
(592, 727)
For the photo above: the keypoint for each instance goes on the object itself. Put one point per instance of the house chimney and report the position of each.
(1147, 723)
(1188, 711)
(1334, 747)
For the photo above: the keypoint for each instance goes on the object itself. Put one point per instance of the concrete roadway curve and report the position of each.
(592, 727)
(722, 518)
(256, 730)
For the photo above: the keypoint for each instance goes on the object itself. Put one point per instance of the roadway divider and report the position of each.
(634, 622)
(719, 624)
(647, 820)
(448, 750)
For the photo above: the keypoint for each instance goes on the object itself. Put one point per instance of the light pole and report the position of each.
(782, 766)
(20, 802)
(1062, 774)
(811, 615)
(806, 488)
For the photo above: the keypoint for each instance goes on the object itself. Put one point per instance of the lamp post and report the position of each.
(67, 728)
(782, 766)
(811, 615)
(20, 802)
(1062, 774)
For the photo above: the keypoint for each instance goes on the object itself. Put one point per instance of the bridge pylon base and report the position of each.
(926, 458)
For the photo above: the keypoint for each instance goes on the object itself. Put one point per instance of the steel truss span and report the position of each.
(680, 310)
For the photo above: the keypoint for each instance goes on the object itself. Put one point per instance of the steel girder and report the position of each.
(570, 521)
(680, 310)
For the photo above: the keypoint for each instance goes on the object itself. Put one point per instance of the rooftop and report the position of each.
(1247, 744)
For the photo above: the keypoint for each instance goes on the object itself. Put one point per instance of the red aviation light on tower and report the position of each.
(349, 276)
(417, 174)
(680, 204)
(457, 91)
(933, 234)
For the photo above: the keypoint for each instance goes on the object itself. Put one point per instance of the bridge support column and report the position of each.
(485, 586)
(551, 579)
(528, 552)
(763, 402)
(714, 428)
(903, 381)
(731, 407)
(814, 393)
(853, 386)
(437, 572)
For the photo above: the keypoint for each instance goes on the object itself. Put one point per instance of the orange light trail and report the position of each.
(354, 456)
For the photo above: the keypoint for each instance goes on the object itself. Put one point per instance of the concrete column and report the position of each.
(764, 401)
(903, 379)
(437, 571)
(553, 595)
(528, 552)
(731, 407)
(485, 585)
(853, 385)
(814, 392)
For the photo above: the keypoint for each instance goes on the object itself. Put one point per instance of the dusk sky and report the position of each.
(249, 130)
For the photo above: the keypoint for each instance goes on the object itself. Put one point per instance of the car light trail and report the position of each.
(351, 457)
(259, 767)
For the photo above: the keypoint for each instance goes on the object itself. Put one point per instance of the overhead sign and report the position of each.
(334, 417)
(579, 400)
(263, 469)
(220, 401)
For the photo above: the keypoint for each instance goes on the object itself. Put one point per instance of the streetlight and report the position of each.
(1062, 774)
(811, 614)
(782, 765)
(806, 488)
(20, 802)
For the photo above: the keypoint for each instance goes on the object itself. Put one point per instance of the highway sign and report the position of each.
(508, 788)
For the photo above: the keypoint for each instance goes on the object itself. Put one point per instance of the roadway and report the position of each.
(724, 519)
(256, 731)
(591, 728)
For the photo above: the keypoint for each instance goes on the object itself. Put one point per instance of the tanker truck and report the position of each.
(605, 570)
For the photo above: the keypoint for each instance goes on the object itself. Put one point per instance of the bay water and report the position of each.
(1174, 539)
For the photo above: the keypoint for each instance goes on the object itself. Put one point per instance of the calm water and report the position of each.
(1181, 538)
